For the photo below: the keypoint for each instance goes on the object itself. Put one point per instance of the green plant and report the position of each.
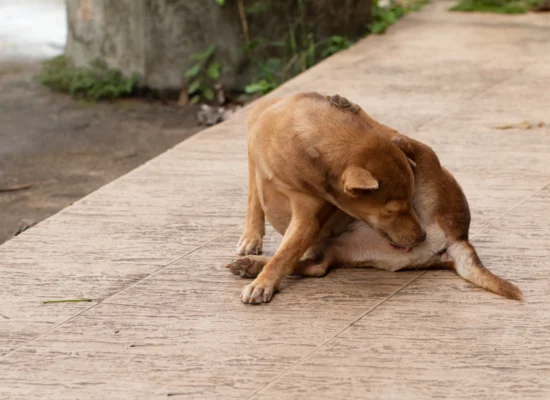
(95, 82)
(202, 76)
(496, 6)
(262, 86)
(335, 44)
(302, 56)
(268, 77)
(297, 49)
(382, 17)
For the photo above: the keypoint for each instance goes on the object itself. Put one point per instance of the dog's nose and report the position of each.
(421, 238)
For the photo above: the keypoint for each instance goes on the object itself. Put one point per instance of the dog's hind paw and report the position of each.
(247, 267)
(249, 245)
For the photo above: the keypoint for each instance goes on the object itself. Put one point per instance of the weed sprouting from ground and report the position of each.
(496, 6)
(95, 82)
(303, 50)
(203, 75)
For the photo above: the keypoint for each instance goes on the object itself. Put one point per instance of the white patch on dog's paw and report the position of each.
(248, 246)
(256, 293)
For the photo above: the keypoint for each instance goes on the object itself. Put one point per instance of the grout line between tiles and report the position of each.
(116, 293)
(490, 224)
(473, 96)
(310, 354)
(431, 120)
(483, 229)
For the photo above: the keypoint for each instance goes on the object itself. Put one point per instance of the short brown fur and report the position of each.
(339, 186)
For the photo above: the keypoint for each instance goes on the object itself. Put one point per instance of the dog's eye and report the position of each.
(393, 207)
(361, 192)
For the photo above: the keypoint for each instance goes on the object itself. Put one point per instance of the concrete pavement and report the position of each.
(166, 319)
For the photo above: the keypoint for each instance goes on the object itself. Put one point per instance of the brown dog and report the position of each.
(338, 184)
(309, 158)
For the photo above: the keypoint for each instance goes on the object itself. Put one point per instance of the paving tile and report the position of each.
(184, 330)
(441, 337)
(149, 250)
(118, 235)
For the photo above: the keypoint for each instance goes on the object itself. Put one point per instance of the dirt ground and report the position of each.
(65, 148)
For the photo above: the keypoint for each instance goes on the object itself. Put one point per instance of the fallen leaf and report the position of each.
(15, 188)
(24, 225)
(67, 301)
(525, 125)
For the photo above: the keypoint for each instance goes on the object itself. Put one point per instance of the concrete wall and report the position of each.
(112, 31)
(175, 29)
(156, 37)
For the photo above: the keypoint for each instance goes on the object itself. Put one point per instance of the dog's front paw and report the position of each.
(247, 267)
(249, 244)
(257, 293)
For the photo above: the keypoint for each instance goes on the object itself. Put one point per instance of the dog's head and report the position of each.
(378, 189)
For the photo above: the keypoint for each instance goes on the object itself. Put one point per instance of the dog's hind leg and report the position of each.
(251, 241)
(314, 267)
(468, 266)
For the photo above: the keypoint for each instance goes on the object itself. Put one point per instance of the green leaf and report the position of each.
(400, 11)
(204, 55)
(209, 51)
(262, 87)
(391, 18)
(208, 94)
(338, 39)
(377, 27)
(269, 69)
(194, 99)
(67, 301)
(193, 71)
(197, 56)
(254, 88)
(330, 51)
(220, 2)
(252, 44)
(194, 87)
(496, 6)
(292, 42)
(214, 71)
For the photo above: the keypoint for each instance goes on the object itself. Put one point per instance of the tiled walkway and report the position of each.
(166, 319)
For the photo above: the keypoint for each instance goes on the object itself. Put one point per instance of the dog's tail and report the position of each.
(469, 266)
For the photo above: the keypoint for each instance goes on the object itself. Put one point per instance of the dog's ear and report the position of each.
(358, 179)
(403, 144)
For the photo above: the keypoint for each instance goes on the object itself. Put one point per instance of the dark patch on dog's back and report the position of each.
(343, 103)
